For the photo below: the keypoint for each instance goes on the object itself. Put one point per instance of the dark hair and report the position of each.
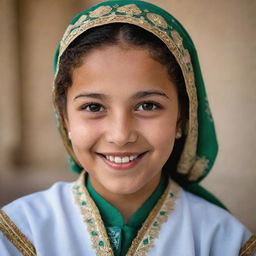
(114, 34)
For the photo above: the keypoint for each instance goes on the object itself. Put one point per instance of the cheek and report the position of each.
(83, 134)
(161, 133)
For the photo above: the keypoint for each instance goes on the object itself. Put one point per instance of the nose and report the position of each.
(121, 129)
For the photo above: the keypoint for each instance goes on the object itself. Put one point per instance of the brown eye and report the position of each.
(147, 106)
(93, 107)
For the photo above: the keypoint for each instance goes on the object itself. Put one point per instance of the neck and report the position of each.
(127, 204)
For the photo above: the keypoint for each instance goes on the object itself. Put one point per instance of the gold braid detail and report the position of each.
(249, 248)
(15, 236)
(146, 235)
(149, 232)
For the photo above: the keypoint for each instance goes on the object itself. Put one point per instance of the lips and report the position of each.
(122, 161)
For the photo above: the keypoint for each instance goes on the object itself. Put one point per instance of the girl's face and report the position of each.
(122, 112)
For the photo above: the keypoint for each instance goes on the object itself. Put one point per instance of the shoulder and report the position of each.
(39, 203)
(218, 229)
(37, 211)
(209, 213)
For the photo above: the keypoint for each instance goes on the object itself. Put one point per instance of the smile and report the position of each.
(119, 159)
(122, 160)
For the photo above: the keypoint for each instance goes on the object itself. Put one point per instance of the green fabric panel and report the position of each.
(141, 214)
(119, 233)
(110, 215)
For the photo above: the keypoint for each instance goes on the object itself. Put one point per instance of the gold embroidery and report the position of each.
(76, 24)
(186, 57)
(249, 248)
(177, 38)
(92, 218)
(129, 9)
(80, 20)
(199, 166)
(158, 20)
(146, 235)
(100, 11)
(175, 44)
(188, 156)
(151, 227)
(14, 235)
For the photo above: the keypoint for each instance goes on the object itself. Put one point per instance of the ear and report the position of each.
(178, 127)
(67, 126)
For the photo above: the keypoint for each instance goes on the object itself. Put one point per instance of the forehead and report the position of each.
(117, 67)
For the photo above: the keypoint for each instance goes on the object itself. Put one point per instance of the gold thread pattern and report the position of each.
(92, 218)
(15, 236)
(146, 235)
(177, 39)
(249, 248)
(100, 11)
(70, 27)
(174, 42)
(129, 9)
(158, 20)
(151, 227)
(198, 168)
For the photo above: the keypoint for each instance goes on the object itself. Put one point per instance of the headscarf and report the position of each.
(200, 146)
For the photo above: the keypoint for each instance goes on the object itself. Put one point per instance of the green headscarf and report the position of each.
(200, 146)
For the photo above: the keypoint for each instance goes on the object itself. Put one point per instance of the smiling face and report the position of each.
(122, 112)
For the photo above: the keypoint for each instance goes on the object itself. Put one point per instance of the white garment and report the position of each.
(52, 221)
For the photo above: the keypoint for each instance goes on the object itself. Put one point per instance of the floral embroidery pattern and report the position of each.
(102, 10)
(114, 235)
(157, 20)
(129, 9)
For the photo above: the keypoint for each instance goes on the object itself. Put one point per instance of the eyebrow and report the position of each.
(91, 95)
(137, 95)
(143, 94)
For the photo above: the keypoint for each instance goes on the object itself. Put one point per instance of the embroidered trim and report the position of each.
(92, 218)
(134, 15)
(129, 9)
(146, 235)
(102, 10)
(249, 247)
(151, 227)
(15, 236)
(198, 168)
(158, 20)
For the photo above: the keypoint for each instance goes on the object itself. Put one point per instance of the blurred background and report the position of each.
(32, 156)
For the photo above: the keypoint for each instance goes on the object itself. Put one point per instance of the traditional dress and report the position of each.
(64, 220)
(179, 218)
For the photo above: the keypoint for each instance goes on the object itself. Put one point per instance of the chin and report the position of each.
(127, 187)
(123, 188)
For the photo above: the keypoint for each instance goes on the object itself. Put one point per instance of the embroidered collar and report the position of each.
(147, 233)
(120, 233)
(112, 217)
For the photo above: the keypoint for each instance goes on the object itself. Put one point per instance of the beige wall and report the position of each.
(30, 149)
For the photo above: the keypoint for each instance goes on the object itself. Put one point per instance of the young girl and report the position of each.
(134, 117)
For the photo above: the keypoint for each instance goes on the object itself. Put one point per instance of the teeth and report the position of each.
(125, 159)
(132, 157)
(118, 159)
